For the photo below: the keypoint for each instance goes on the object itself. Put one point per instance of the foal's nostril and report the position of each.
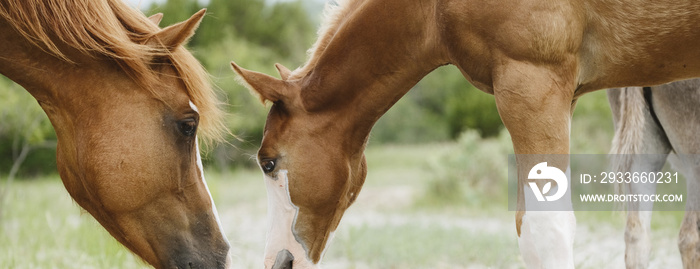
(283, 260)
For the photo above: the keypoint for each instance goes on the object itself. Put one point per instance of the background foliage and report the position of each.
(257, 34)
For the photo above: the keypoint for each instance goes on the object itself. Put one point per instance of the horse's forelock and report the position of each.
(113, 29)
(201, 93)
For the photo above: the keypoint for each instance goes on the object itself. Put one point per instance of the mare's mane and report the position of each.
(113, 29)
(335, 15)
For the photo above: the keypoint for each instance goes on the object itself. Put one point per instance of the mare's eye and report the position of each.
(267, 166)
(187, 127)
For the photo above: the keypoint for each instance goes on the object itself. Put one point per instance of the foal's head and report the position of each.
(127, 102)
(314, 168)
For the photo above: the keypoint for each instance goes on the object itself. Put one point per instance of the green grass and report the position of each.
(390, 226)
(41, 227)
(416, 245)
(389, 165)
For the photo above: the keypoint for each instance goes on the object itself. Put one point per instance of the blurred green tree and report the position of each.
(283, 27)
(440, 107)
(27, 139)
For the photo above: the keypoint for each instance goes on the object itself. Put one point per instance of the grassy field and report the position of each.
(390, 226)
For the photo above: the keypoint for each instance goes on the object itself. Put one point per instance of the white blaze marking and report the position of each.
(194, 107)
(282, 214)
(204, 181)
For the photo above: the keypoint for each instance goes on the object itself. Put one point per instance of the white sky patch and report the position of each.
(145, 4)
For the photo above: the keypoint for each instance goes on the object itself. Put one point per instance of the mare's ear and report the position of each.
(267, 88)
(156, 18)
(177, 34)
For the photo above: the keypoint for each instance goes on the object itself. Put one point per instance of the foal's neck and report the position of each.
(380, 50)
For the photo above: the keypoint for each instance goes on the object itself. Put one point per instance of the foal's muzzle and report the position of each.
(284, 260)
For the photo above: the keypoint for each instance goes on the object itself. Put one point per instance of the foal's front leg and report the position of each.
(535, 104)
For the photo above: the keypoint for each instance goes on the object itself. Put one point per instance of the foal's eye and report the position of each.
(188, 127)
(267, 166)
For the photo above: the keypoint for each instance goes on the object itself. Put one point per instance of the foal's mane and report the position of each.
(113, 29)
(334, 16)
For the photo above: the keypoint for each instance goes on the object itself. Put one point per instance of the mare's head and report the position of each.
(128, 102)
(314, 168)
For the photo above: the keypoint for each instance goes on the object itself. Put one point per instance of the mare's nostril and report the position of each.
(283, 260)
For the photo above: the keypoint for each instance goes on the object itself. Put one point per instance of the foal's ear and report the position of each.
(284, 72)
(177, 34)
(156, 18)
(267, 88)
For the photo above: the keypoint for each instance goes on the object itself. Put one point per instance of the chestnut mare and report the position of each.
(126, 101)
(536, 57)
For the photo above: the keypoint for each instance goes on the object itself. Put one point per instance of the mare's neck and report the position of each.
(64, 90)
(45, 76)
(379, 52)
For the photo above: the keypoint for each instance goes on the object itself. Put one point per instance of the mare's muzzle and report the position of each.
(284, 260)
(218, 260)
(209, 252)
